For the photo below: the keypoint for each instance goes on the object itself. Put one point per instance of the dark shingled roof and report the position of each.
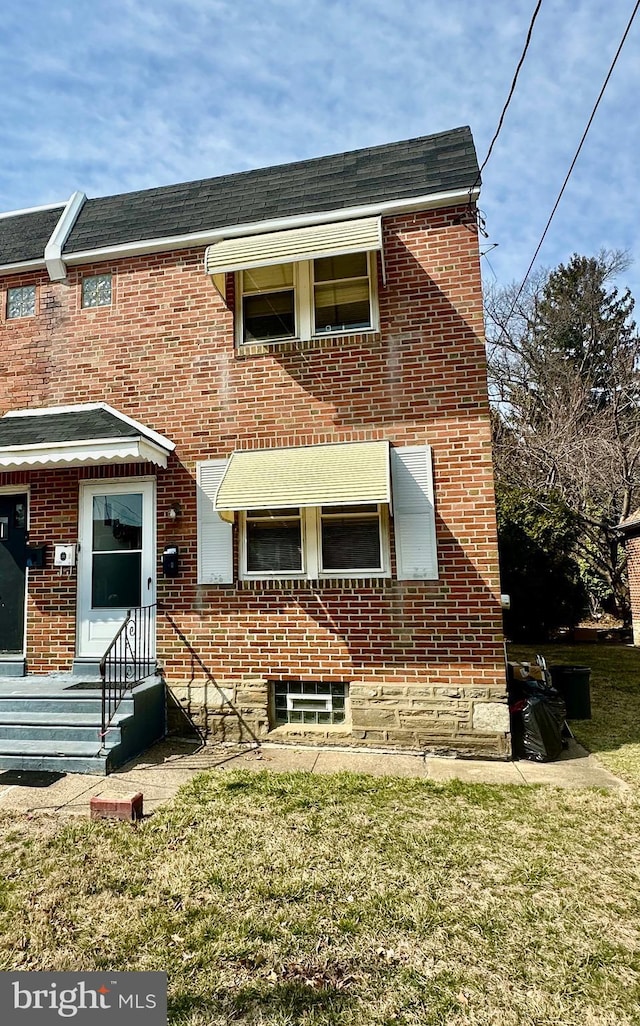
(79, 426)
(631, 524)
(401, 170)
(24, 236)
(380, 174)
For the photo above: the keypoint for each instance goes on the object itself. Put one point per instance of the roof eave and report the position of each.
(25, 265)
(93, 452)
(154, 437)
(630, 526)
(431, 201)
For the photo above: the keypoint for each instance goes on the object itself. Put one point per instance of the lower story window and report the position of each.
(351, 538)
(329, 541)
(273, 540)
(309, 702)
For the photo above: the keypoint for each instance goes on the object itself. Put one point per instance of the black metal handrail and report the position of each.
(196, 660)
(128, 660)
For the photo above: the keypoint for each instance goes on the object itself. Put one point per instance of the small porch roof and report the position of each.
(86, 434)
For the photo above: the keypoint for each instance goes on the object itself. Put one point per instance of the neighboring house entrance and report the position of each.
(116, 559)
(13, 563)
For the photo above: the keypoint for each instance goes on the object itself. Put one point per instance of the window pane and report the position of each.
(341, 306)
(274, 545)
(271, 514)
(351, 543)
(117, 522)
(370, 507)
(266, 279)
(350, 265)
(96, 290)
(269, 315)
(21, 302)
(116, 580)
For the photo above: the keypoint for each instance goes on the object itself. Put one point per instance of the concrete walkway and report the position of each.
(171, 763)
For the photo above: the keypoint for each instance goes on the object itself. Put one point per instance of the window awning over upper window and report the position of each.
(322, 240)
(340, 474)
(86, 434)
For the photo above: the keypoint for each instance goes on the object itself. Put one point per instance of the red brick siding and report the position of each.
(164, 354)
(632, 546)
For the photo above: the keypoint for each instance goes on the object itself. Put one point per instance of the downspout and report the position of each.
(53, 250)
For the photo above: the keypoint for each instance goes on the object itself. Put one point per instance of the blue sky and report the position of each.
(132, 94)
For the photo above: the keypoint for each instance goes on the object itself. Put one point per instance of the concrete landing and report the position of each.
(53, 722)
(160, 771)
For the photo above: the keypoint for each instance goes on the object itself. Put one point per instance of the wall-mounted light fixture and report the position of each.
(175, 511)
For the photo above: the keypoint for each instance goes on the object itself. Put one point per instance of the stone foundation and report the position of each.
(466, 720)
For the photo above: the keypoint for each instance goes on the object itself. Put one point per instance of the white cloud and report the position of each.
(136, 93)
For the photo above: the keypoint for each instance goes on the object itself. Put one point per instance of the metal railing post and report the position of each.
(127, 660)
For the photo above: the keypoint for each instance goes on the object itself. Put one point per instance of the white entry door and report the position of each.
(116, 558)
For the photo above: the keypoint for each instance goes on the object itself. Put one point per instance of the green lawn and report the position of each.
(613, 733)
(291, 898)
(281, 899)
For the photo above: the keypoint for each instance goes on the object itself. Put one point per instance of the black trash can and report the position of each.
(574, 684)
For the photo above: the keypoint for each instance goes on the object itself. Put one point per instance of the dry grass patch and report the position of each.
(289, 898)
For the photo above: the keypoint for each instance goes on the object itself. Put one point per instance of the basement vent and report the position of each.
(309, 702)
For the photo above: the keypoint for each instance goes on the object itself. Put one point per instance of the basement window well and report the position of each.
(314, 703)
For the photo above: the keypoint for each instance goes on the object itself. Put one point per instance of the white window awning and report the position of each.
(338, 474)
(321, 240)
(86, 434)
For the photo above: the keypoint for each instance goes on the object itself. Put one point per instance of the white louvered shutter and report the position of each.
(215, 536)
(414, 513)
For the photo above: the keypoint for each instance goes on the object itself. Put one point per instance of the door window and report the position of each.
(116, 580)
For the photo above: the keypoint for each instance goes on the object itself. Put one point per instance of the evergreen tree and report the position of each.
(564, 379)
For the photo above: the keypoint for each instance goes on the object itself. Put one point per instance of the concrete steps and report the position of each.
(51, 724)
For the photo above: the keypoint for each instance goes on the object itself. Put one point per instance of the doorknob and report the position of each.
(149, 582)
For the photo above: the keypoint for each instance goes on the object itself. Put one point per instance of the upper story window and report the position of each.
(307, 298)
(302, 283)
(341, 293)
(21, 301)
(268, 303)
(96, 290)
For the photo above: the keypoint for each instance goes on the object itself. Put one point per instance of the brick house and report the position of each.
(629, 528)
(255, 407)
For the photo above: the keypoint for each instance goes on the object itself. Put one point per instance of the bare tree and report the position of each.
(563, 365)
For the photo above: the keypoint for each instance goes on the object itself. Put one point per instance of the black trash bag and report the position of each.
(542, 726)
(538, 716)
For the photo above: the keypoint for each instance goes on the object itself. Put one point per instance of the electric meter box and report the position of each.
(64, 555)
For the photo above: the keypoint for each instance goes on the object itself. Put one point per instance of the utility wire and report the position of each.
(577, 154)
(509, 97)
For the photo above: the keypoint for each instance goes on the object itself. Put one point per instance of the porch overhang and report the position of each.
(337, 474)
(86, 434)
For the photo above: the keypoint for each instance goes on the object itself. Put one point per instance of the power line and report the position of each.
(577, 154)
(509, 97)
